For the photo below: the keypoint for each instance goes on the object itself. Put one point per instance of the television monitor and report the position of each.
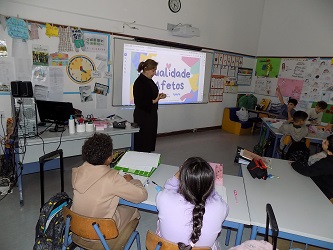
(55, 112)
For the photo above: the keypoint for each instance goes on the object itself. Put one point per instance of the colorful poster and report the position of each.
(268, 67)
(95, 43)
(40, 54)
(290, 87)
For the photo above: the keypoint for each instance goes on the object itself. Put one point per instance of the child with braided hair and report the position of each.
(190, 212)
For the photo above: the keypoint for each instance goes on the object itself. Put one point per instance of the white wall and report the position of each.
(230, 25)
(297, 28)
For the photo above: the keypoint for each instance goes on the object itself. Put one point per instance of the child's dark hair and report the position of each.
(293, 101)
(330, 143)
(196, 184)
(97, 149)
(300, 116)
(322, 105)
(147, 65)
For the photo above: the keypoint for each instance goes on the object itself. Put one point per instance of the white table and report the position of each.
(302, 211)
(71, 144)
(238, 210)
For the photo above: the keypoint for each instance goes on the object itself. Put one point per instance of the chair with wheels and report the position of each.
(155, 242)
(98, 233)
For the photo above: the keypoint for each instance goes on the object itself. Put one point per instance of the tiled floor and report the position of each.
(18, 223)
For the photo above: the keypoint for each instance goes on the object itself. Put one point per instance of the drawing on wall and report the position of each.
(294, 68)
(265, 86)
(290, 87)
(268, 67)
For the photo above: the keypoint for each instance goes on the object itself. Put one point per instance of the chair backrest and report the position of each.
(287, 139)
(154, 241)
(83, 226)
(271, 221)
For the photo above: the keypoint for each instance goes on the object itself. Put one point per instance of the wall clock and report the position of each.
(80, 68)
(174, 5)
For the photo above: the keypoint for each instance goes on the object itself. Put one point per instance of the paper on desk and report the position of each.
(143, 179)
(222, 191)
(276, 125)
(139, 161)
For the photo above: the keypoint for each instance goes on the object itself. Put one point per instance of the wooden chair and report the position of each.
(155, 242)
(97, 233)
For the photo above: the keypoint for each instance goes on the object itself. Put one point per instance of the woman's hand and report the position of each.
(159, 97)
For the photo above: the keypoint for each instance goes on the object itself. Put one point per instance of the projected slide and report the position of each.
(180, 73)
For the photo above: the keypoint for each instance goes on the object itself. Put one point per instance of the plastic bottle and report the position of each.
(71, 125)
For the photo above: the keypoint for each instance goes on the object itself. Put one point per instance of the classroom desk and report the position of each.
(317, 139)
(302, 211)
(71, 144)
(238, 210)
(258, 112)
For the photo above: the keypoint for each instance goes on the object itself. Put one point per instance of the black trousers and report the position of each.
(145, 139)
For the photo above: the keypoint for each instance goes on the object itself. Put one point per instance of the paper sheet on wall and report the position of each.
(101, 101)
(56, 89)
(23, 68)
(40, 92)
(290, 87)
(294, 68)
(7, 70)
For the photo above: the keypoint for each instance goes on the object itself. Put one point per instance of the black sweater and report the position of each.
(321, 173)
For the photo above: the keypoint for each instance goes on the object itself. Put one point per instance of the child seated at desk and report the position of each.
(190, 212)
(316, 113)
(97, 188)
(287, 111)
(320, 171)
(297, 129)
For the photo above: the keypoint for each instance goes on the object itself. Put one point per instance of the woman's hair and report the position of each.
(330, 143)
(97, 149)
(196, 184)
(147, 65)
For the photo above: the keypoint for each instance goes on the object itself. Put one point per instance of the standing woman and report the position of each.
(146, 99)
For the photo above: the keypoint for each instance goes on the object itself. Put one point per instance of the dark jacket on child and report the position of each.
(321, 172)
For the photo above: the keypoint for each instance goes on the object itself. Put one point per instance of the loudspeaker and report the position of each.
(15, 88)
(21, 89)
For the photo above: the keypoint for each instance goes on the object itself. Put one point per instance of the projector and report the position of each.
(185, 30)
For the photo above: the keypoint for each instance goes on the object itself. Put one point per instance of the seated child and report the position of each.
(287, 111)
(297, 130)
(97, 187)
(316, 114)
(190, 212)
(320, 171)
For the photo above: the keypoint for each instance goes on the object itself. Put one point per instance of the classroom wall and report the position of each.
(230, 25)
(296, 28)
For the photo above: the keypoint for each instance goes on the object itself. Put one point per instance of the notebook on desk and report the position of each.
(138, 163)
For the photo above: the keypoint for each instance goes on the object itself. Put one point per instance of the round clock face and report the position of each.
(80, 69)
(174, 5)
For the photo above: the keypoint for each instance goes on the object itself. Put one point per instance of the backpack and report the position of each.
(51, 225)
(296, 151)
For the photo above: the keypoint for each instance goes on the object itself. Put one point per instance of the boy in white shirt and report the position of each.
(316, 113)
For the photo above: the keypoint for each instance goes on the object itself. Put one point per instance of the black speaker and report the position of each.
(21, 89)
(15, 88)
(26, 89)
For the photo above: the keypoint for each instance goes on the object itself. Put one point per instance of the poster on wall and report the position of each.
(266, 86)
(244, 76)
(290, 87)
(294, 68)
(268, 67)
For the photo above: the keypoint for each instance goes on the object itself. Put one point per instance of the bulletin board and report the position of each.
(305, 79)
(63, 63)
